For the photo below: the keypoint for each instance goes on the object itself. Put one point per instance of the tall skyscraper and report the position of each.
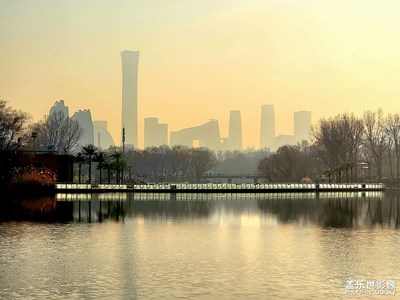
(235, 131)
(155, 134)
(302, 125)
(130, 64)
(267, 129)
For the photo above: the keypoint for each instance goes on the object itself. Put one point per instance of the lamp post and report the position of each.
(123, 139)
(34, 136)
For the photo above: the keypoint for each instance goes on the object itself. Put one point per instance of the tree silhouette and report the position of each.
(118, 164)
(13, 127)
(59, 131)
(80, 159)
(89, 151)
(108, 165)
(100, 157)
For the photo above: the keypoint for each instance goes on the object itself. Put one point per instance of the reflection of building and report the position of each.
(130, 63)
(59, 106)
(155, 134)
(84, 119)
(302, 125)
(207, 135)
(267, 130)
(235, 131)
(102, 138)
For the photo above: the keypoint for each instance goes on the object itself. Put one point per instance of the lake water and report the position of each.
(138, 246)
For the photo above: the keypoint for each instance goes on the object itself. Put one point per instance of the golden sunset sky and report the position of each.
(199, 59)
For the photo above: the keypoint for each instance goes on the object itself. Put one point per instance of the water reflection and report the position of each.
(338, 210)
(149, 246)
(45, 209)
(342, 211)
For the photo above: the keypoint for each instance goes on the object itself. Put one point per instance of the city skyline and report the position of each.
(293, 55)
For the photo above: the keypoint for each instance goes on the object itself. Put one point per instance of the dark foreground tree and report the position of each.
(79, 159)
(13, 127)
(100, 158)
(89, 151)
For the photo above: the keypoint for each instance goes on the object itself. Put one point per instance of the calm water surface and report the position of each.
(126, 246)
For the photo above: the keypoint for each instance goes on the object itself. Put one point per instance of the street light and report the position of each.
(34, 136)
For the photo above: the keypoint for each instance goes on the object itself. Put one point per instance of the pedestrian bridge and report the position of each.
(221, 187)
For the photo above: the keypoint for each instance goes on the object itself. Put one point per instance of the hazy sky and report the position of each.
(199, 59)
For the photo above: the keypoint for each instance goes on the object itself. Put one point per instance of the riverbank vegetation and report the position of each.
(343, 148)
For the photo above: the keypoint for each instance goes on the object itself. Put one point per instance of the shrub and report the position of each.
(37, 176)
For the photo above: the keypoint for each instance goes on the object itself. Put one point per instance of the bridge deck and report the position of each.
(220, 188)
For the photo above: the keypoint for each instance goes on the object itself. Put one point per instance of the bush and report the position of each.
(34, 176)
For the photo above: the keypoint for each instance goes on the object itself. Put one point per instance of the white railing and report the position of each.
(226, 186)
(73, 186)
(112, 186)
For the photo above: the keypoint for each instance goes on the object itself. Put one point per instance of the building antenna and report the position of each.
(123, 139)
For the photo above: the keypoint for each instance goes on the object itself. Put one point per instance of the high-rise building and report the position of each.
(155, 134)
(84, 119)
(302, 125)
(267, 129)
(235, 131)
(59, 106)
(102, 138)
(207, 135)
(130, 64)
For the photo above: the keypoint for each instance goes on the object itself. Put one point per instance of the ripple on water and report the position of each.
(230, 251)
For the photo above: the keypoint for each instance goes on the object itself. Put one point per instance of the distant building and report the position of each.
(234, 141)
(155, 134)
(207, 135)
(102, 138)
(84, 118)
(130, 64)
(302, 125)
(59, 106)
(267, 129)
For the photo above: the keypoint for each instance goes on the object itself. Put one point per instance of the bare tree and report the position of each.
(13, 127)
(338, 140)
(203, 159)
(328, 141)
(58, 132)
(354, 132)
(375, 138)
(290, 163)
(392, 126)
